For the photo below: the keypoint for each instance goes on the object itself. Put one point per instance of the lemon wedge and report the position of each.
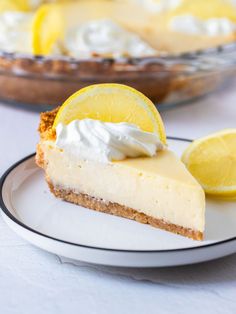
(112, 103)
(212, 161)
(48, 28)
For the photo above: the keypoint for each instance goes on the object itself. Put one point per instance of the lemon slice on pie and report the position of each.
(212, 161)
(14, 5)
(48, 28)
(112, 103)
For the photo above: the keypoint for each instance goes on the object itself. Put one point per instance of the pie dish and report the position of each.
(167, 81)
(182, 67)
(170, 76)
(178, 71)
(156, 190)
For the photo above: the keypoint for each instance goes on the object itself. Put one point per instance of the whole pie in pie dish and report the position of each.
(52, 48)
(105, 28)
(105, 149)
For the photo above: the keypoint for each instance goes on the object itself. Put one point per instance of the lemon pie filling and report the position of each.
(159, 186)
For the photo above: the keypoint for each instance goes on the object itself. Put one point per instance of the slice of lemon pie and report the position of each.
(105, 149)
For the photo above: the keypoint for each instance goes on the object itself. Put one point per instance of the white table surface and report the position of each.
(34, 281)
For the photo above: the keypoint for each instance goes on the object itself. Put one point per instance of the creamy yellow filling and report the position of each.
(160, 186)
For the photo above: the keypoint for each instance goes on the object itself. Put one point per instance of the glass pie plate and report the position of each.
(167, 80)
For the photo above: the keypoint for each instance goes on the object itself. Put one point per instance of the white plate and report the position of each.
(76, 232)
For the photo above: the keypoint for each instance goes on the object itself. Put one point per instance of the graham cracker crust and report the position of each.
(45, 129)
(121, 211)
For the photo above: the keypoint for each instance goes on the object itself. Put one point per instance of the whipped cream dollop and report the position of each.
(192, 25)
(90, 139)
(159, 6)
(35, 3)
(15, 34)
(105, 38)
(233, 2)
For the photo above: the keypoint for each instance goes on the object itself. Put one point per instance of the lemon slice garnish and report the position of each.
(212, 161)
(48, 28)
(112, 103)
(14, 5)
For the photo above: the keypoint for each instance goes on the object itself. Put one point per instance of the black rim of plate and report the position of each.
(19, 223)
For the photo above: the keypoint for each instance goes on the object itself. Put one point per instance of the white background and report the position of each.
(34, 281)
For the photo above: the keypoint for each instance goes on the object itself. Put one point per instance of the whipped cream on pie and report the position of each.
(106, 38)
(35, 3)
(233, 2)
(15, 35)
(159, 6)
(192, 25)
(90, 139)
